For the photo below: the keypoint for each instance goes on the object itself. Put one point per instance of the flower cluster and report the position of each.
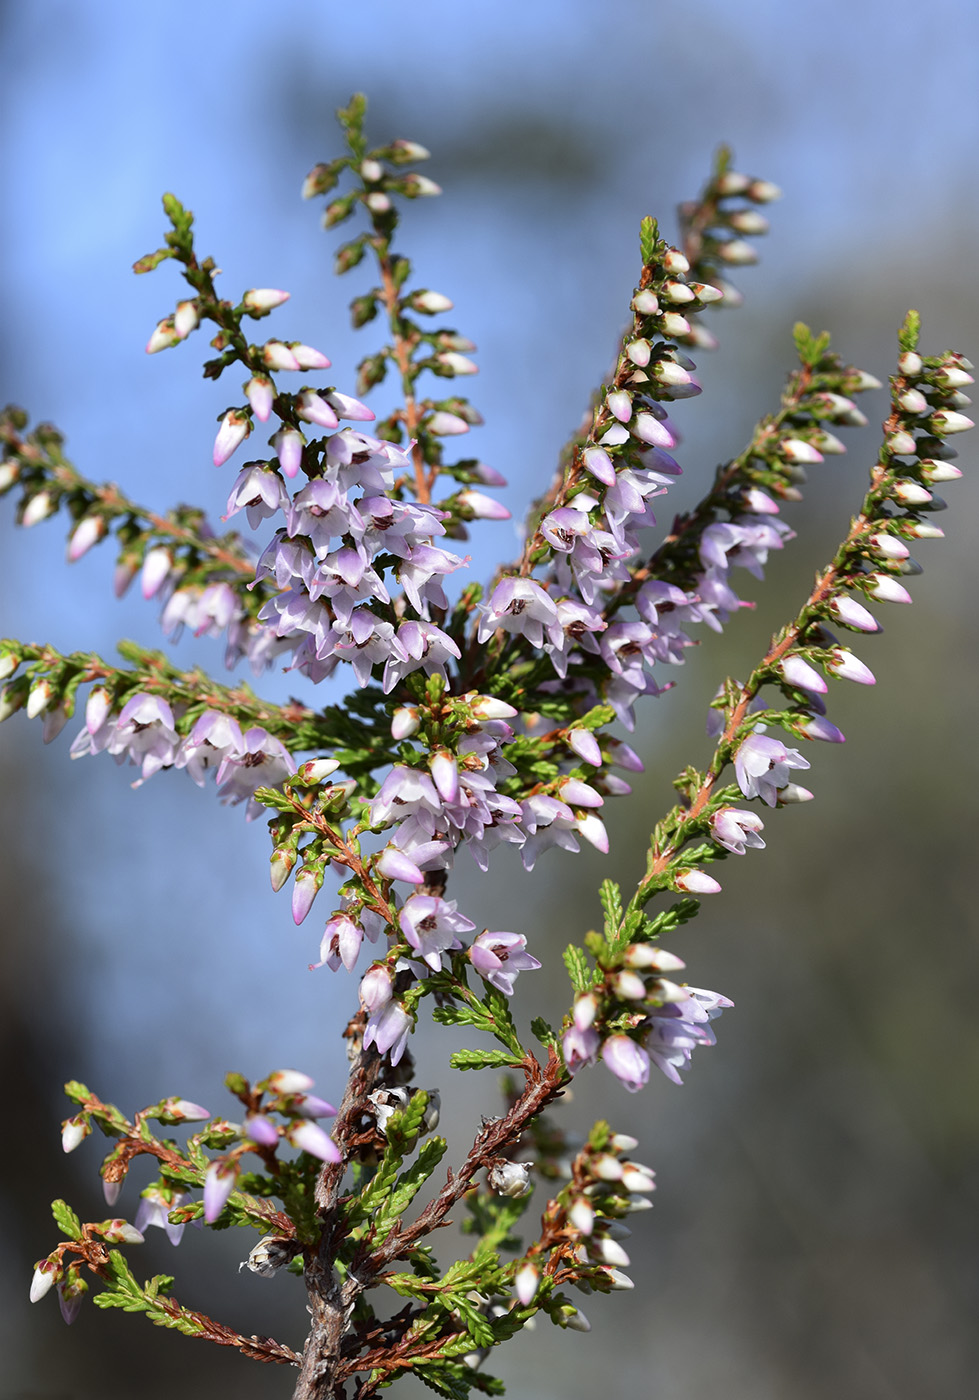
(443, 744)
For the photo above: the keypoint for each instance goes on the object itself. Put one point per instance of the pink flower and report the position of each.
(499, 957)
(627, 1061)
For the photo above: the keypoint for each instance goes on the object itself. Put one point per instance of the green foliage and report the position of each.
(648, 240)
(66, 1220)
(907, 336)
(811, 348)
(576, 961)
(484, 1059)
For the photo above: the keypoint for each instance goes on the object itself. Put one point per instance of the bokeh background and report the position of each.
(816, 1225)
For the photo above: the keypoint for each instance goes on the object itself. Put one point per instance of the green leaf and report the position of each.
(908, 334)
(483, 1059)
(576, 961)
(66, 1219)
(151, 260)
(408, 1185)
(544, 1032)
(611, 896)
(811, 348)
(648, 239)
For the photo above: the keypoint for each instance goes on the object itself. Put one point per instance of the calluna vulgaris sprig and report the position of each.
(473, 723)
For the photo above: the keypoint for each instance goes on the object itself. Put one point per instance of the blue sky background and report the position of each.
(554, 128)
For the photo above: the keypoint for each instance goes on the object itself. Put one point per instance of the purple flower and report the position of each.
(431, 926)
(154, 1209)
(341, 942)
(218, 1186)
(763, 765)
(674, 1031)
(736, 829)
(213, 737)
(499, 957)
(387, 1030)
(259, 491)
(521, 606)
(579, 1047)
(261, 761)
(310, 1137)
(144, 734)
(627, 1061)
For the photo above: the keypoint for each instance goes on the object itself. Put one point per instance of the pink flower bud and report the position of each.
(697, 882)
(592, 828)
(395, 865)
(376, 987)
(38, 508)
(264, 299)
(277, 355)
(443, 424)
(86, 533)
(853, 614)
(525, 1284)
(288, 444)
(887, 589)
(314, 409)
(289, 1081)
(585, 746)
(579, 794)
(850, 667)
(308, 358)
(483, 507)
(628, 1062)
(599, 463)
(799, 673)
(645, 303)
(156, 566)
(234, 428)
(351, 408)
(404, 722)
(186, 318)
(260, 392)
(219, 1182)
(261, 1130)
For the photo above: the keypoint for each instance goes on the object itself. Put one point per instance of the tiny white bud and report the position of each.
(638, 352)
(946, 420)
(763, 192)
(925, 530)
(910, 364)
(887, 589)
(913, 401)
(706, 293)
(798, 450)
(74, 1131)
(378, 202)
(9, 472)
(582, 1216)
(674, 261)
(910, 493)
(624, 1142)
(901, 443)
(748, 221)
(404, 722)
(629, 986)
(38, 699)
(951, 377)
(677, 292)
(525, 1284)
(264, 298)
(371, 170)
(38, 508)
(647, 955)
(43, 1281)
(431, 302)
(8, 664)
(317, 769)
(646, 303)
(674, 324)
(792, 793)
(737, 252)
(613, 1253)
(186, 318)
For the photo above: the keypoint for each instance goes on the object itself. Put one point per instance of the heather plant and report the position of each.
(477, 717)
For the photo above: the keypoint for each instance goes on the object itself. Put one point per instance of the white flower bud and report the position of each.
(9, 472)
(613, 1253)
(289, 1081)
(951, 377)
(163, 337)
(913, 401)
(38, 508)
(638, 352)
(887, 589)
(74, 1131)
(737, 252)
(677, 292)
(629, 986)
(458, 364)
(674, 262)
(925, 530)
(185, 319)
(431, 302)
(371, 170)
(264, 298)
(674, 324)
(798, 450)
(39, 698)
(763, 192)
(946, 420)
(378, 202)
(889, 545)
(910, 364)
(582, 1216)
(902, 444)
(646, 303)
(8, 665)
(793, 793)
(910, 493)
(748, 221)
(624, 1142)
(706, 293)
(45, 1276)
(525, 1284)
(647, 955)
(618, 1279)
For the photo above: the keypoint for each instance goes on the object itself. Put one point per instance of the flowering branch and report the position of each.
(442, 747)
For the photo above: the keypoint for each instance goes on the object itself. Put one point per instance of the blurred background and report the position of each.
(815, 1231)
